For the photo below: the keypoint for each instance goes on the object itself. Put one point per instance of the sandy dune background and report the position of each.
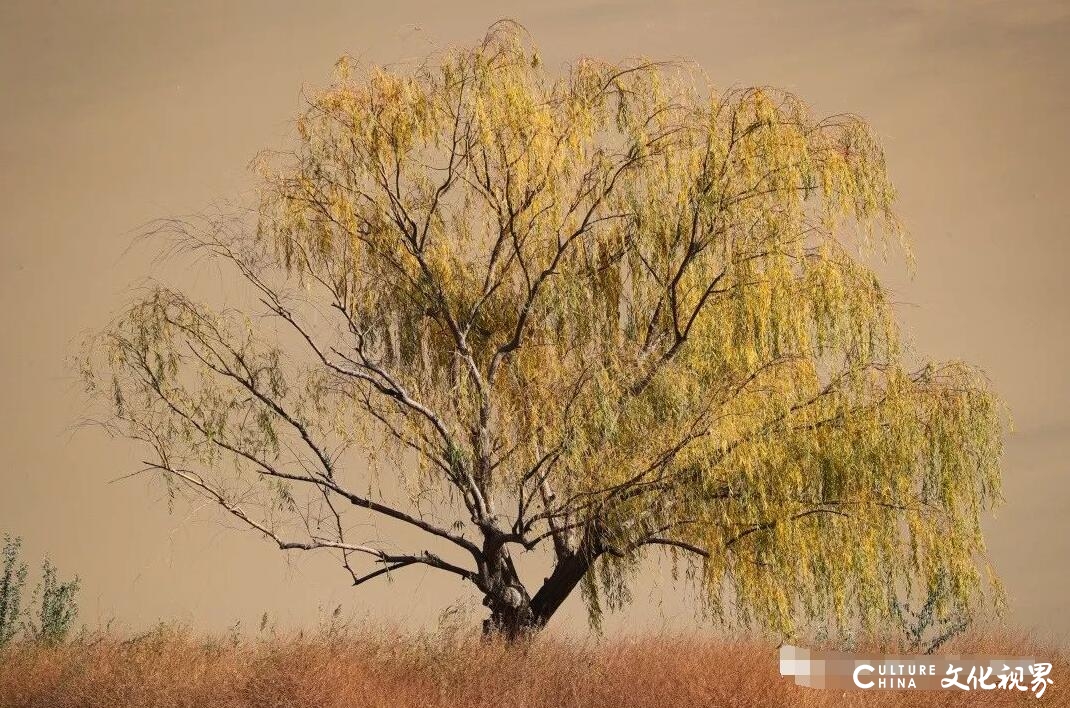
(115, 113)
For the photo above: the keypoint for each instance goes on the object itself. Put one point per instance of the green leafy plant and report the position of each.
(57, 606)
(55, 601)
(11, 584)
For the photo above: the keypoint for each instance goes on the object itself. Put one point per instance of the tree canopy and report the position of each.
(607, 310)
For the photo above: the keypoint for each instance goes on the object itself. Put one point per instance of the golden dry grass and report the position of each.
(171, 668)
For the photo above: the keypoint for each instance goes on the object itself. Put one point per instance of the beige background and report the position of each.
(113, 113)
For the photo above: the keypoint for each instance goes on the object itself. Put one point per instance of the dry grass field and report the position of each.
(171, 668)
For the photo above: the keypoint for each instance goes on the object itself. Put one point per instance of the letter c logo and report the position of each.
(860, 669)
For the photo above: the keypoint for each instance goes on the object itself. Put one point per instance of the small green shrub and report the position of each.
(11, 584)
(56, 604)
(54, 601)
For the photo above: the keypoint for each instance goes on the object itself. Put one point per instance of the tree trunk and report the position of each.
(567, 574)
(511, 616)
(511, 624)
(515, 616)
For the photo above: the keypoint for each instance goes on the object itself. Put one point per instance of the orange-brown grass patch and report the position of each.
(173, 668)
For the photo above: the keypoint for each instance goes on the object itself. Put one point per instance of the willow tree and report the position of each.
(601, 311)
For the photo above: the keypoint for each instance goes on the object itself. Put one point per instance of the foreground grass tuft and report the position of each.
(172, 668)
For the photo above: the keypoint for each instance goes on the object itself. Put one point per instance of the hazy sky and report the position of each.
(114, 113)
